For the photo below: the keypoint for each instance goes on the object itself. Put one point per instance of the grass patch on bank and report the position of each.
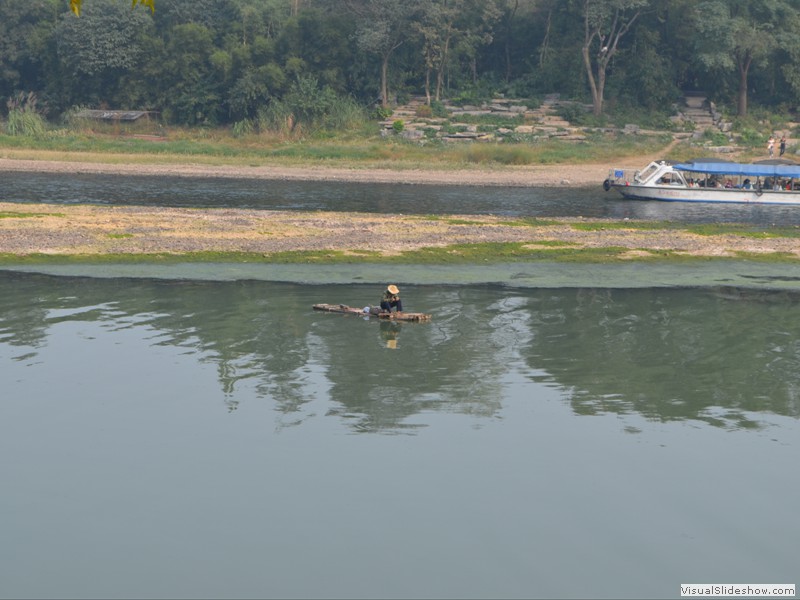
(466, 254)
(744, 230)
(634, 225)
(705, 229)
(361, 149)
(769, 257)
(28, 215)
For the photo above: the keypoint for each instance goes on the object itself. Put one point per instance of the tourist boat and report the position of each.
(709, 180)
(372, 311)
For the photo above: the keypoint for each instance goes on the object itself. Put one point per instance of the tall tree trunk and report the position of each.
(428, 85)
(618, 27)
(545, 48)
(385, 80)
(443, 65)
(744, 68)
(597, 96)
(510, 39)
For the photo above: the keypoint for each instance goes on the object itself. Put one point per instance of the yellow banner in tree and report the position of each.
(150, 3)
(75, 5)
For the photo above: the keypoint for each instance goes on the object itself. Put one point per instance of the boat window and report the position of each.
(671, 178)
(648, 171)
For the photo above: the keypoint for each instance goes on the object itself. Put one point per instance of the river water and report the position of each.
(202, 432)
(378, 198)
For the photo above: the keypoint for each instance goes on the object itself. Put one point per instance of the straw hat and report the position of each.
(393, 289)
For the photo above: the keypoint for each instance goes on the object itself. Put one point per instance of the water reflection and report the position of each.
(721, 357)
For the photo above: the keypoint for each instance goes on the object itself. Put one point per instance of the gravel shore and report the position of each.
(98, 230)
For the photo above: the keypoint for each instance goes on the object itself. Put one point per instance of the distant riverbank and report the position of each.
(529, 176)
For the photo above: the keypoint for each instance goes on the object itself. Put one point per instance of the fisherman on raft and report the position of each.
(391, 299)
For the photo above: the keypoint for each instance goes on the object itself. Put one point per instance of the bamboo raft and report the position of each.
(373, 312)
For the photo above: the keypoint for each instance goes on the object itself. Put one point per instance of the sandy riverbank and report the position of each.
(533, 176)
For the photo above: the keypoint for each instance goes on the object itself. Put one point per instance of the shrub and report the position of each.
(398, 126)
(242, 128)
(716, 137)
(439, 110)
(424, 111)
(23, 117)
(571, 112)
(309, 107)
(383, 112)
(751, 137)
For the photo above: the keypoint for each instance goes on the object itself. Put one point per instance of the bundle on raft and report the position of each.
(372, 311)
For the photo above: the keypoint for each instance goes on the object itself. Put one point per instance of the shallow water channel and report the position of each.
(370, 197)
(204, 433)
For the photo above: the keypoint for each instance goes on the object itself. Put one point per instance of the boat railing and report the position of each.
(623, 175)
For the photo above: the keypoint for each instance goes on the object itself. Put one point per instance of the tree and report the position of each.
(25, 28)
(383, 26)
(788, 42)
(511, 10)
(477, 30)
(605, 23)
(735, 34)
(98, 49)
(436, 27)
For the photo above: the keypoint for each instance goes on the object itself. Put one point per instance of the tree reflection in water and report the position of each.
(720, 356)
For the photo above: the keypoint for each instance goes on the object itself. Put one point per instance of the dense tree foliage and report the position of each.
(231, 61)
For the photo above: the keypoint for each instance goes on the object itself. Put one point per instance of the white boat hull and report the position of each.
(727, 196)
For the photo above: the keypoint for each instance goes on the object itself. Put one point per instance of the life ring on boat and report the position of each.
(606, 185)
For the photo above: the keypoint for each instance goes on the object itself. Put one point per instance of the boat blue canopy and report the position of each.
(744, 169)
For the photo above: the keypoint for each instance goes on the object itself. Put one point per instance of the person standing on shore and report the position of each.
(771, 146)
(783, 145)
(391, 299)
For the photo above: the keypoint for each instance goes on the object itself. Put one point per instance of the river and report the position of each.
(208, 435)
(371, 197)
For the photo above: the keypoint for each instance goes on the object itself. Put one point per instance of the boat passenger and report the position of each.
(391, 299)
(747, 185)
(729, 184)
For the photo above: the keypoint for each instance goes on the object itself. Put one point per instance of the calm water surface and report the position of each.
(363, 197)
(185, 438)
